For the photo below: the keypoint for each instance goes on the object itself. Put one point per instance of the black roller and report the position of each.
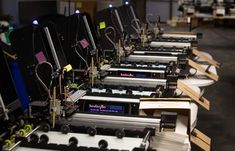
(172, 63)
(65, 129)
(159, 88)
(149, 48)
(45, 127)
(88, 90)
(154, 95)
(109, 90)
(126, 62)
(34, 138)
(141, 89)
(116, 64)
(120, 87)
(156, 63)
(149, 64)
(184, 49)
(141, 62)
(20, 122)
(91, 131)
(129, 91)
(168, 69)
(134, 64)
(103, 144)
(100, 86)
(119, 133)
(73, 141)
(44, 139)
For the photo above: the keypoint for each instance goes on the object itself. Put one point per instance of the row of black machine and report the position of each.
(124, 85)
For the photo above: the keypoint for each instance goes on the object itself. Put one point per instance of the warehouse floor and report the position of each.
(219, 122)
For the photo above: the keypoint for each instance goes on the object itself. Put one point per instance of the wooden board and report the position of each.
(201, 140)
(181, 33)
(166, 99)
(206, 58)
(14, 57)
(203, 70)
(194, 95)
(202, 136)
(200, 143)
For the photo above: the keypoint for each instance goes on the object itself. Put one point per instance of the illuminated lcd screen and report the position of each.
(123, 74)
(135, 74)
(140, 75)
(102, 107)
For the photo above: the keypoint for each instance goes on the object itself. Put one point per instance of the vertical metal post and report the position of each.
(171, 12)
(3, 108)
(69, 6)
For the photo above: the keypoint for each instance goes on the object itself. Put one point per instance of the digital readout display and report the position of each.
(105, 108)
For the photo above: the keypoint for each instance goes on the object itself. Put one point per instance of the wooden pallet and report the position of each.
(200, 139)
(193, 95)
(206, 58)
(206, 72)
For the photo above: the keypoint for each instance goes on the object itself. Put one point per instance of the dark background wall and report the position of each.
(140, 7)
(166, 8)
(10, 7)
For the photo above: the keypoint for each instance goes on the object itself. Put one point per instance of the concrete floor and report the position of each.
(219, 122)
